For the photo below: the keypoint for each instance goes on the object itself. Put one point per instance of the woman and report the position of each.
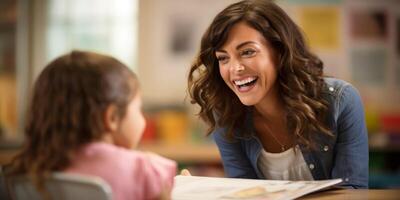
(271, 111)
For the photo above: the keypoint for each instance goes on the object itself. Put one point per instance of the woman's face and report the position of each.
(246, 64)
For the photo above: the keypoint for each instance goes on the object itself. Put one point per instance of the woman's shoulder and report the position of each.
(335, 86)
(338, 89)
(341, 95)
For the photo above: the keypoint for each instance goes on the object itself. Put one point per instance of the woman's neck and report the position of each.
(271, 107)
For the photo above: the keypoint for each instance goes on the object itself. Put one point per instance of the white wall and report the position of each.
(162, 73)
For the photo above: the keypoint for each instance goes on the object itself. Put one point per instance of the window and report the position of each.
(104, 26)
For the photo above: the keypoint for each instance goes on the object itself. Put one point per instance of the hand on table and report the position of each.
(185, 172)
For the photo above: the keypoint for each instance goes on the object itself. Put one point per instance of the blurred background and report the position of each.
(358, 41)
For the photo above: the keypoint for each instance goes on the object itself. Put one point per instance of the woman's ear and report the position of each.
(111, 119)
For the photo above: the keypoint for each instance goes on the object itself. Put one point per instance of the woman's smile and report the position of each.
(245, 84)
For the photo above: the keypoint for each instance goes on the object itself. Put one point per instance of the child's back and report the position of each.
(85, 116)
(131, 174)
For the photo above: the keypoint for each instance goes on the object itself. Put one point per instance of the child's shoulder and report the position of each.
(102, 149)
(106, 149)
(117, 165)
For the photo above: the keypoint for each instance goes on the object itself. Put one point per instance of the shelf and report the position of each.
(7, 155)
(391, 148)
(186, 153)
(9, 149)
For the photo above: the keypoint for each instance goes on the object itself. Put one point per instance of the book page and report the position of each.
(197, 187)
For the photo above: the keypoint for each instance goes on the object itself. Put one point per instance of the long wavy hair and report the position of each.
(67, 110)
(300, 73)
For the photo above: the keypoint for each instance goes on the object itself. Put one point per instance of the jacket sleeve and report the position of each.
(351, 150)
(236, 163)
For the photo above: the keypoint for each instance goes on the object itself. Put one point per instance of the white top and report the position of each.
(286, 165)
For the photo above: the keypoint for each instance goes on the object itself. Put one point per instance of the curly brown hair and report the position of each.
(67, 110)
(300, 73)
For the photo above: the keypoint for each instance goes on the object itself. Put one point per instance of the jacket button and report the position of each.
(311, 166)
(326, 148)
(346, 179)
(331, 89)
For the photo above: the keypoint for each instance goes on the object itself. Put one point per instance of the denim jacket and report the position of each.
(345, 155)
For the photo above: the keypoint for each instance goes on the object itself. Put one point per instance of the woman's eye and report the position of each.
(222, 59)
(248, 52)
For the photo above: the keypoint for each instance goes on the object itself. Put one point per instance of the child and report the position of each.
(84, 118)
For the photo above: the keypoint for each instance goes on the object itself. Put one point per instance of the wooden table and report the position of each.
(360, 194)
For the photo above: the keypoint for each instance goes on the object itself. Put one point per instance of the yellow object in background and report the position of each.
(321, 26)
(8, 106)
(172, 127)
(372, 121)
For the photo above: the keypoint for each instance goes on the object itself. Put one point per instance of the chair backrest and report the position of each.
(61, 186)
(3, 186)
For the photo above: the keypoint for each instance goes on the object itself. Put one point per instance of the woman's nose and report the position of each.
(237, 67)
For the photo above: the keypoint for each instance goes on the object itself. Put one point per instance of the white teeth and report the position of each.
(244, 81)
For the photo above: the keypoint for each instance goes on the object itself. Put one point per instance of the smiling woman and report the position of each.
(246, 64)
(272, 112)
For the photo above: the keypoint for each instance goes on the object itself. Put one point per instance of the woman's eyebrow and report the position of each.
(244, 44)
(238, 46)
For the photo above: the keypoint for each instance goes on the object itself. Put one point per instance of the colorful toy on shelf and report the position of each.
(390, 123)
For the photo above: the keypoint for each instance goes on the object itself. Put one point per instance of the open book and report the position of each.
(200, 188)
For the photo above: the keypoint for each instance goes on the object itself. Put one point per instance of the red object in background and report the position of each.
(149, 134)
(390, 123)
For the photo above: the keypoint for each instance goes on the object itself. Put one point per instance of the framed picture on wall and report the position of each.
(368, 24)
(181, 35)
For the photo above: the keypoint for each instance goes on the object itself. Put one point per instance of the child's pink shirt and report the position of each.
(131, 174)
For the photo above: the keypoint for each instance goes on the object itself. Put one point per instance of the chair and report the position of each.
(61, 186)
(3, 186)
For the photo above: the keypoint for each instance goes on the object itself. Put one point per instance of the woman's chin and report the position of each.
(248, 101)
